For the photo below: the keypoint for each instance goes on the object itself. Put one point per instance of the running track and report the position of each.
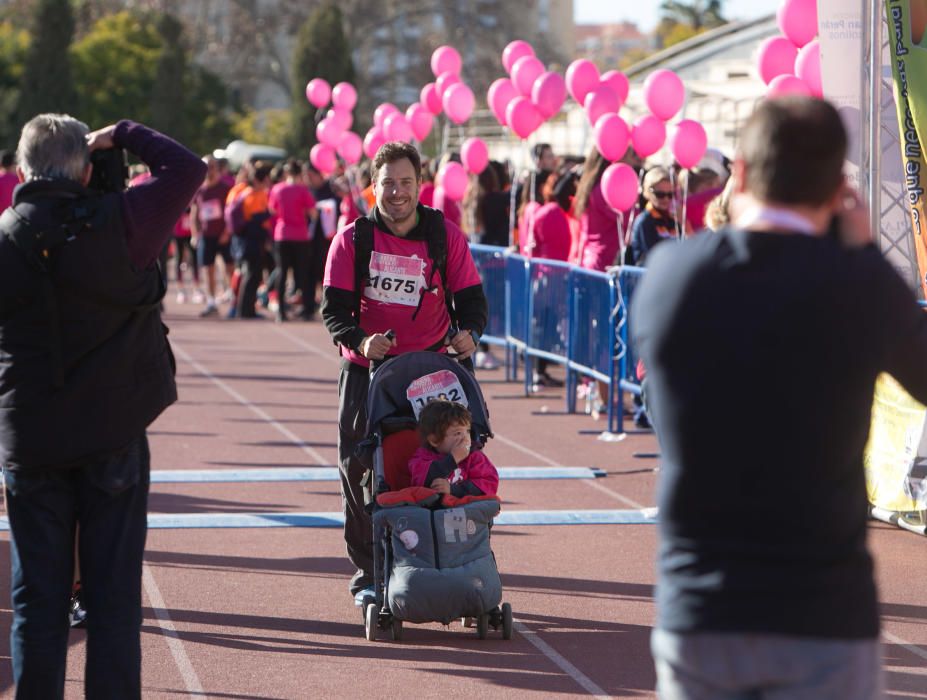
(263, 612)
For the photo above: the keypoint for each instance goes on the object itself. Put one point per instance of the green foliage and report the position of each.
(683, 20)
(321, 51)
(13, 46)
(46, 84)
(169, 73)
(270, 127)
(114, 66)
(134, 65)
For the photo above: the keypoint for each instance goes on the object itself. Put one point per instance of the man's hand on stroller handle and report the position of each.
(376, 346)
(463, 344)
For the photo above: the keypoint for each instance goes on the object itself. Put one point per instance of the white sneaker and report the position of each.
(181, 297)
(198, 297)
(486, 360)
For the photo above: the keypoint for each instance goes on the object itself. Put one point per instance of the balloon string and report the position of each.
(635, 210)
(673, 182)
(685, 202)
(620, 222)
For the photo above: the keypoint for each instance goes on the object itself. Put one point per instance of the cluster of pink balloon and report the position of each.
(531, 93)
(333, 131)
(664, 95)
(790, 64)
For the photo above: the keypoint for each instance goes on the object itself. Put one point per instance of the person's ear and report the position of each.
(739, 175)
(434, 440)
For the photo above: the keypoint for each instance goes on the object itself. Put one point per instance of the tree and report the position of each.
(13, 46)
(46, 84)
(170, 72)
(321, 51)
(683, 20)
(114, 66)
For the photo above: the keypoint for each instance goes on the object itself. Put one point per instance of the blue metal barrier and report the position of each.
(557, 312)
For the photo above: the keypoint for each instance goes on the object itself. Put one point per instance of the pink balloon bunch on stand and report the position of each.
(790, 64)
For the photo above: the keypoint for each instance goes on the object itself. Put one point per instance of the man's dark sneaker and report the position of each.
(641, 420)
(77, 615)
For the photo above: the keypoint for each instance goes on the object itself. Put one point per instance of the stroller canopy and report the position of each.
(387, 397)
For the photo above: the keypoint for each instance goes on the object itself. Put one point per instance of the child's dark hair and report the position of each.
(437, 416)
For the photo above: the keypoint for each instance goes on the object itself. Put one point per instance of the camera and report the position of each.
(110, 170)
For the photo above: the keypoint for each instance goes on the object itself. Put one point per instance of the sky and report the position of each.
(645, 12)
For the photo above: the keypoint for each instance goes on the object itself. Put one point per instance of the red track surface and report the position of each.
(265, 613)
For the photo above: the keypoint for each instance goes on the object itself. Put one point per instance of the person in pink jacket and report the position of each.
(445, 462)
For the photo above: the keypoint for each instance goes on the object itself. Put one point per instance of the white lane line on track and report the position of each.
(187, 672)
(581, 678)
(598, 487)
(318, 459)
(905, 644)
(332, 355)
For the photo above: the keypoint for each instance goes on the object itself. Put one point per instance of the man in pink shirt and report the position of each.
(293, 207)
(8, 178)
(401, 291)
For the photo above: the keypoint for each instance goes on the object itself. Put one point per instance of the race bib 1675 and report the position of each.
(395, 279)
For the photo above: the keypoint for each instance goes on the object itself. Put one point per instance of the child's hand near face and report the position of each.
(442, 486)
(461, 448)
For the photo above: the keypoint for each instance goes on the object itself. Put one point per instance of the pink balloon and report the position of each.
(688, 142)
(458, 103)
(523, 117)
(619, 186)
(784, 85)
(372, 141)
(648, 135)
(344, 96)
(454, 179)
(600, 102)
(327, 132)
(382, 112)
(322, 156)
(444, 81)
(612, 136)
(808, 67)
(396, 127)
(526, 70)
(431, 99)
(445, 59)
(664, 93)
(341, 118)
(582, 77)
(515, 50)
(500, 94)
(549, 93)
(350, 148)
(475, 155)
(798, 20)
(776, 56)
(420, 119)
(318, 92)
(618, 82)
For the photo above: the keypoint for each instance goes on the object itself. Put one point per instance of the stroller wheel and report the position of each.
(466, 621)
(395, 629)
(506, 621)
(370, 622)
(482, 625)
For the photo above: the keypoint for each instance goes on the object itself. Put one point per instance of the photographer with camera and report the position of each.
(85, 367)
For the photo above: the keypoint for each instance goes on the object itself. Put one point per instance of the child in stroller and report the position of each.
(444, 462)
(431, 551)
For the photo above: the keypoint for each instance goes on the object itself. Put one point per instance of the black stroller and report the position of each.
(432, 563)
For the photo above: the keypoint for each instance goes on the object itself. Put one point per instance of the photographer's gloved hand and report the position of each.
(101, 139)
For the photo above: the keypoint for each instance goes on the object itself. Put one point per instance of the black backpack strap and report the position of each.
(363, 249)
(436, 240)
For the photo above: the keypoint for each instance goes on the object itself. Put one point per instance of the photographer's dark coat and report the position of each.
(88, 385)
